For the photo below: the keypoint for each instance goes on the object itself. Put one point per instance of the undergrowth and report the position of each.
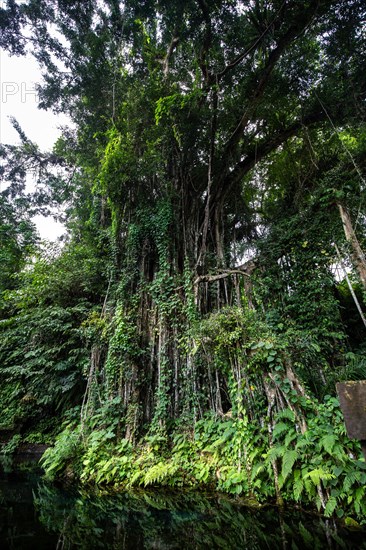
(319, 467)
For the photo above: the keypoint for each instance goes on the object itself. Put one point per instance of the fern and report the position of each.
(256, 470)
(276, 452)
(319, 475)
(306, 535)
(290, 437)
(286, 414)
(328, 442)
(279, 428)
(310, 488)
(137, 477)
(288, 460)
(330, 506)
(159, 473)
(350, 479)
(298, 485)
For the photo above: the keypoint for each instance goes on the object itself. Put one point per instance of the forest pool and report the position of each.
(38, 515)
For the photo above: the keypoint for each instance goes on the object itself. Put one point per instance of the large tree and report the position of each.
(185, 115)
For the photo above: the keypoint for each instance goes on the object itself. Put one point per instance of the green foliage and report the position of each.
(42, 351)
(205, 134)
(12, 445)
(232, 456)
(66, 450)
(320, 459)
(17, 241)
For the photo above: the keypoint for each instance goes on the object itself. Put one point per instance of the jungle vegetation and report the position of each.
(210, 290)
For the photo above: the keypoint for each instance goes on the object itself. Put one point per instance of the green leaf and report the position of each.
(286, 414)
(279, 428)
(298, 485)
(319, 475)
(288, 460)
(328, 442)
(307, 537)
(330, 506)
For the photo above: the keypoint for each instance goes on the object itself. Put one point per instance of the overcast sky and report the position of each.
(18, 76)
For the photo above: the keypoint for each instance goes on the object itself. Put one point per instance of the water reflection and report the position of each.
(34, 514)
(184, 521)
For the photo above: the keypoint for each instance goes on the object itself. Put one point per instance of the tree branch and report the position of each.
(254, 44)
(173, 44)
(258, 152)
(244, 269)
(206, 42)
(290, 36)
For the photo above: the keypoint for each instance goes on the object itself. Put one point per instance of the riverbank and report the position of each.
(37, 514)
(319, 469)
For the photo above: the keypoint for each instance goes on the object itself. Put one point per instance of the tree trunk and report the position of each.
(358, 257)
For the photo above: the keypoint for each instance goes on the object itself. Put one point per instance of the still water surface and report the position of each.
(36, 515)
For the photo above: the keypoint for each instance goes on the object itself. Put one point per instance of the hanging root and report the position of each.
(271, 393)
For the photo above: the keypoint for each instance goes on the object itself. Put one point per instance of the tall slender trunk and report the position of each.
(358, 257)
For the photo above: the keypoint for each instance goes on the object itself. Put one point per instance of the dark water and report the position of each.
(37, 515)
